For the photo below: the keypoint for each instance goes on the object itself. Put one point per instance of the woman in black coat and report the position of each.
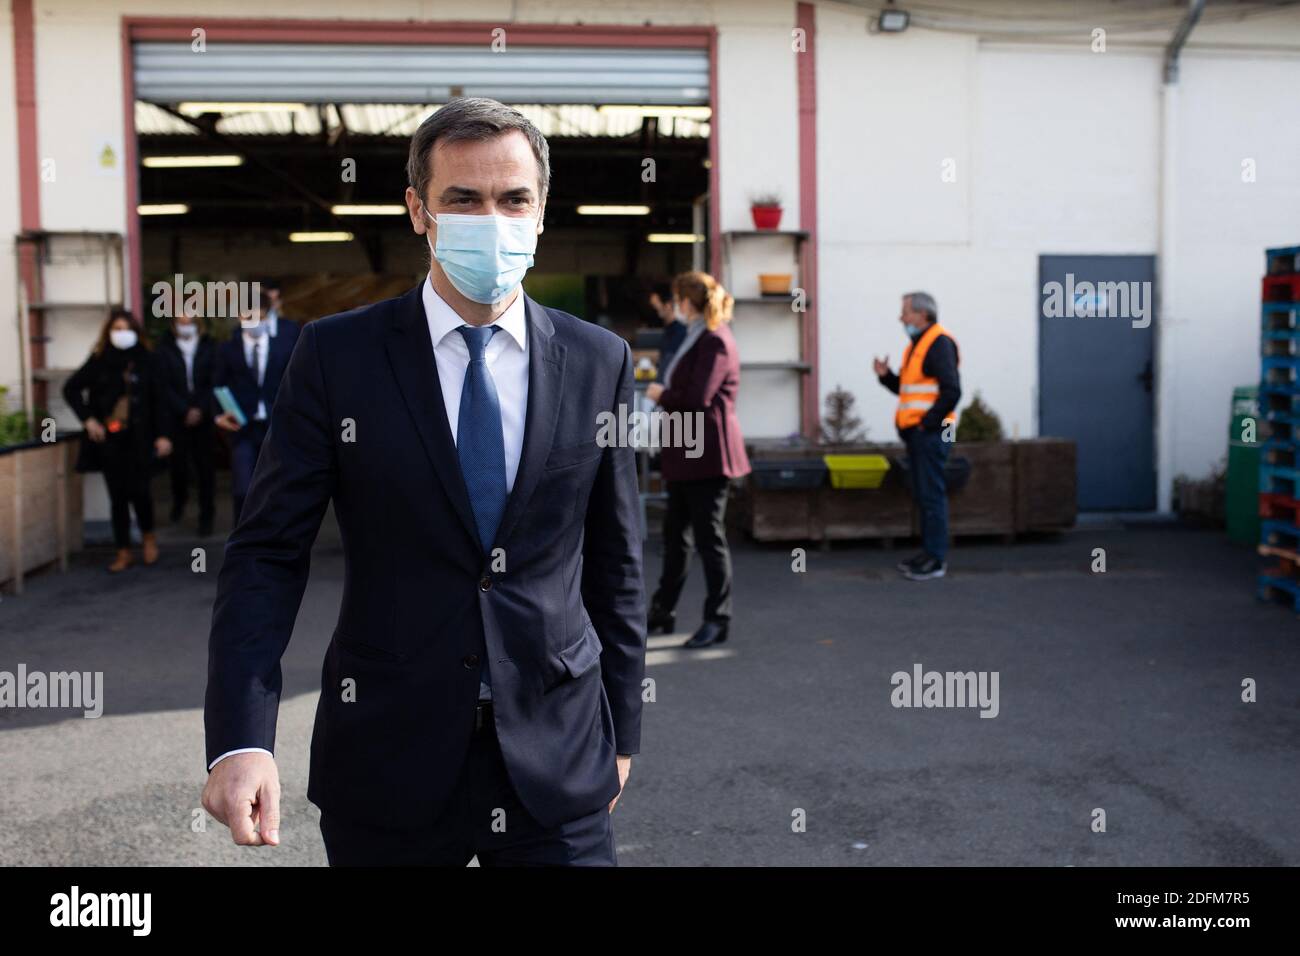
(122, 403)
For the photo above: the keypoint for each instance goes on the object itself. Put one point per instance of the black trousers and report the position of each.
(193, 446)
(695, 518)
(126, 472)
(483, 818)
(244, 449)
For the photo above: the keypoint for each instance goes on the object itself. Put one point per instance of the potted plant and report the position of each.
(766, 210)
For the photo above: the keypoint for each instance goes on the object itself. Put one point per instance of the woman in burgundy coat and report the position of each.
(701, 381)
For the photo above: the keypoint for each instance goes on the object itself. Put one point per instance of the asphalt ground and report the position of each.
(1119, 691)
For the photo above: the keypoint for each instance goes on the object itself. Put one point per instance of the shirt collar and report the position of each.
(443, 319)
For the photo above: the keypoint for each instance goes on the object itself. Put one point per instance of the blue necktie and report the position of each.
(479, 442)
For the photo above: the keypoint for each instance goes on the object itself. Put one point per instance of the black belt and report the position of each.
(483, 722)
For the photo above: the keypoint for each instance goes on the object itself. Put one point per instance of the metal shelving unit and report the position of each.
(800, 364)
(36, 252)
(1279, 408)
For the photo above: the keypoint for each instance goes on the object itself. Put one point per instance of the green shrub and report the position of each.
(978, 422)
(840, 426)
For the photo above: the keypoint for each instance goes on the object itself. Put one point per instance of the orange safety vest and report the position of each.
(917, 392)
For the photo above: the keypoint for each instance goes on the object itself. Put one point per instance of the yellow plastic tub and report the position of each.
(856, 471)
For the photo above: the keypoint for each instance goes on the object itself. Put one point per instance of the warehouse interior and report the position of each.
(311, 195)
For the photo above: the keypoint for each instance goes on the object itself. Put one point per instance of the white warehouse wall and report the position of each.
(1057, 150)
(1230, 110)
(1054, 149)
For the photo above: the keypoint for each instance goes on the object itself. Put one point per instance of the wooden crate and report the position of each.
(849, 513)
(1014, 487)
(1046, 484)
(40, 508)
(986, 505)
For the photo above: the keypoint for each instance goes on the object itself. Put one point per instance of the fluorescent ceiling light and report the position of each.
(196, 109)
(701, 113)
(320, 237)
(192, 162)
(368, 209)
(613, 210)
(674, 237)
(163, 209)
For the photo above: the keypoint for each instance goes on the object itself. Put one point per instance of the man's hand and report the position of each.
(193, 416)
(624, 762)
(881, 365)
(162, 445)
(94, 430)
(227, 422)
(654, 390)
(243, 792)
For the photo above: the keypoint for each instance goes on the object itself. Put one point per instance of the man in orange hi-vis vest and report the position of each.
(928, 388)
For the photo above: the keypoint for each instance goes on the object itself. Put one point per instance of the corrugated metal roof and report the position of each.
(395, 73)
(401, 119)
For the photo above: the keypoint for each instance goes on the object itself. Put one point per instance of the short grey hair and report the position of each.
(472, 118)
(923, 302)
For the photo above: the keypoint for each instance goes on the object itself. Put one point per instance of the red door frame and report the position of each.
(524, 34)
(233, 30)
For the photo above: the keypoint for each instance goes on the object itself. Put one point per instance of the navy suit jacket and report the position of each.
(233, 371)
(559, 610)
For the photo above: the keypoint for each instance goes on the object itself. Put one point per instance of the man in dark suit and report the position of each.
(276, 324)
(661, 300)
(186, 358)
(250, 363)
(481, 694)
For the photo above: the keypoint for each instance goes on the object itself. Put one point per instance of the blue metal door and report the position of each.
(1096, 373)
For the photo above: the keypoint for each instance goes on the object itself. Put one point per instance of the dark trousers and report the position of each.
(483, 818)
(126, 472)
(244, 450)
(193, 446)
(927, 454)
(695, 518)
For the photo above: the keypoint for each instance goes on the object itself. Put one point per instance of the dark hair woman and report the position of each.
(119, 397)
(702, 379)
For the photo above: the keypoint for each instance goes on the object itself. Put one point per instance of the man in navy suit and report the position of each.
(277, 324)
(250, 363)
(481, 694)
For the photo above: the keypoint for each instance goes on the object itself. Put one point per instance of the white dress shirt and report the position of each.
(188, 347)
(507, 359)
(255, 350)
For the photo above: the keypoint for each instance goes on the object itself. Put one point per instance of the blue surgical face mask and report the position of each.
(912, 330)
(485, 257)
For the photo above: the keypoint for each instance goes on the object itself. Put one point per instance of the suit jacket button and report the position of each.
(485, 583)
(470, 661)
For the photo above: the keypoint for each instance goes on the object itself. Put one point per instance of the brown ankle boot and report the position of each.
(121, 562)
(149, 546)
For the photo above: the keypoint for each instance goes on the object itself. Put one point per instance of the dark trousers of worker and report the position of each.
(927, 454)
(126, 473)
(695, 517)
(192, 448)
(483, 818)
(244, 450)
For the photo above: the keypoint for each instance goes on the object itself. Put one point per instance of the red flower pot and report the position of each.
(766, 217)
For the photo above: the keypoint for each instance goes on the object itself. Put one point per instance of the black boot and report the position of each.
(710, 632)
(660, 620)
